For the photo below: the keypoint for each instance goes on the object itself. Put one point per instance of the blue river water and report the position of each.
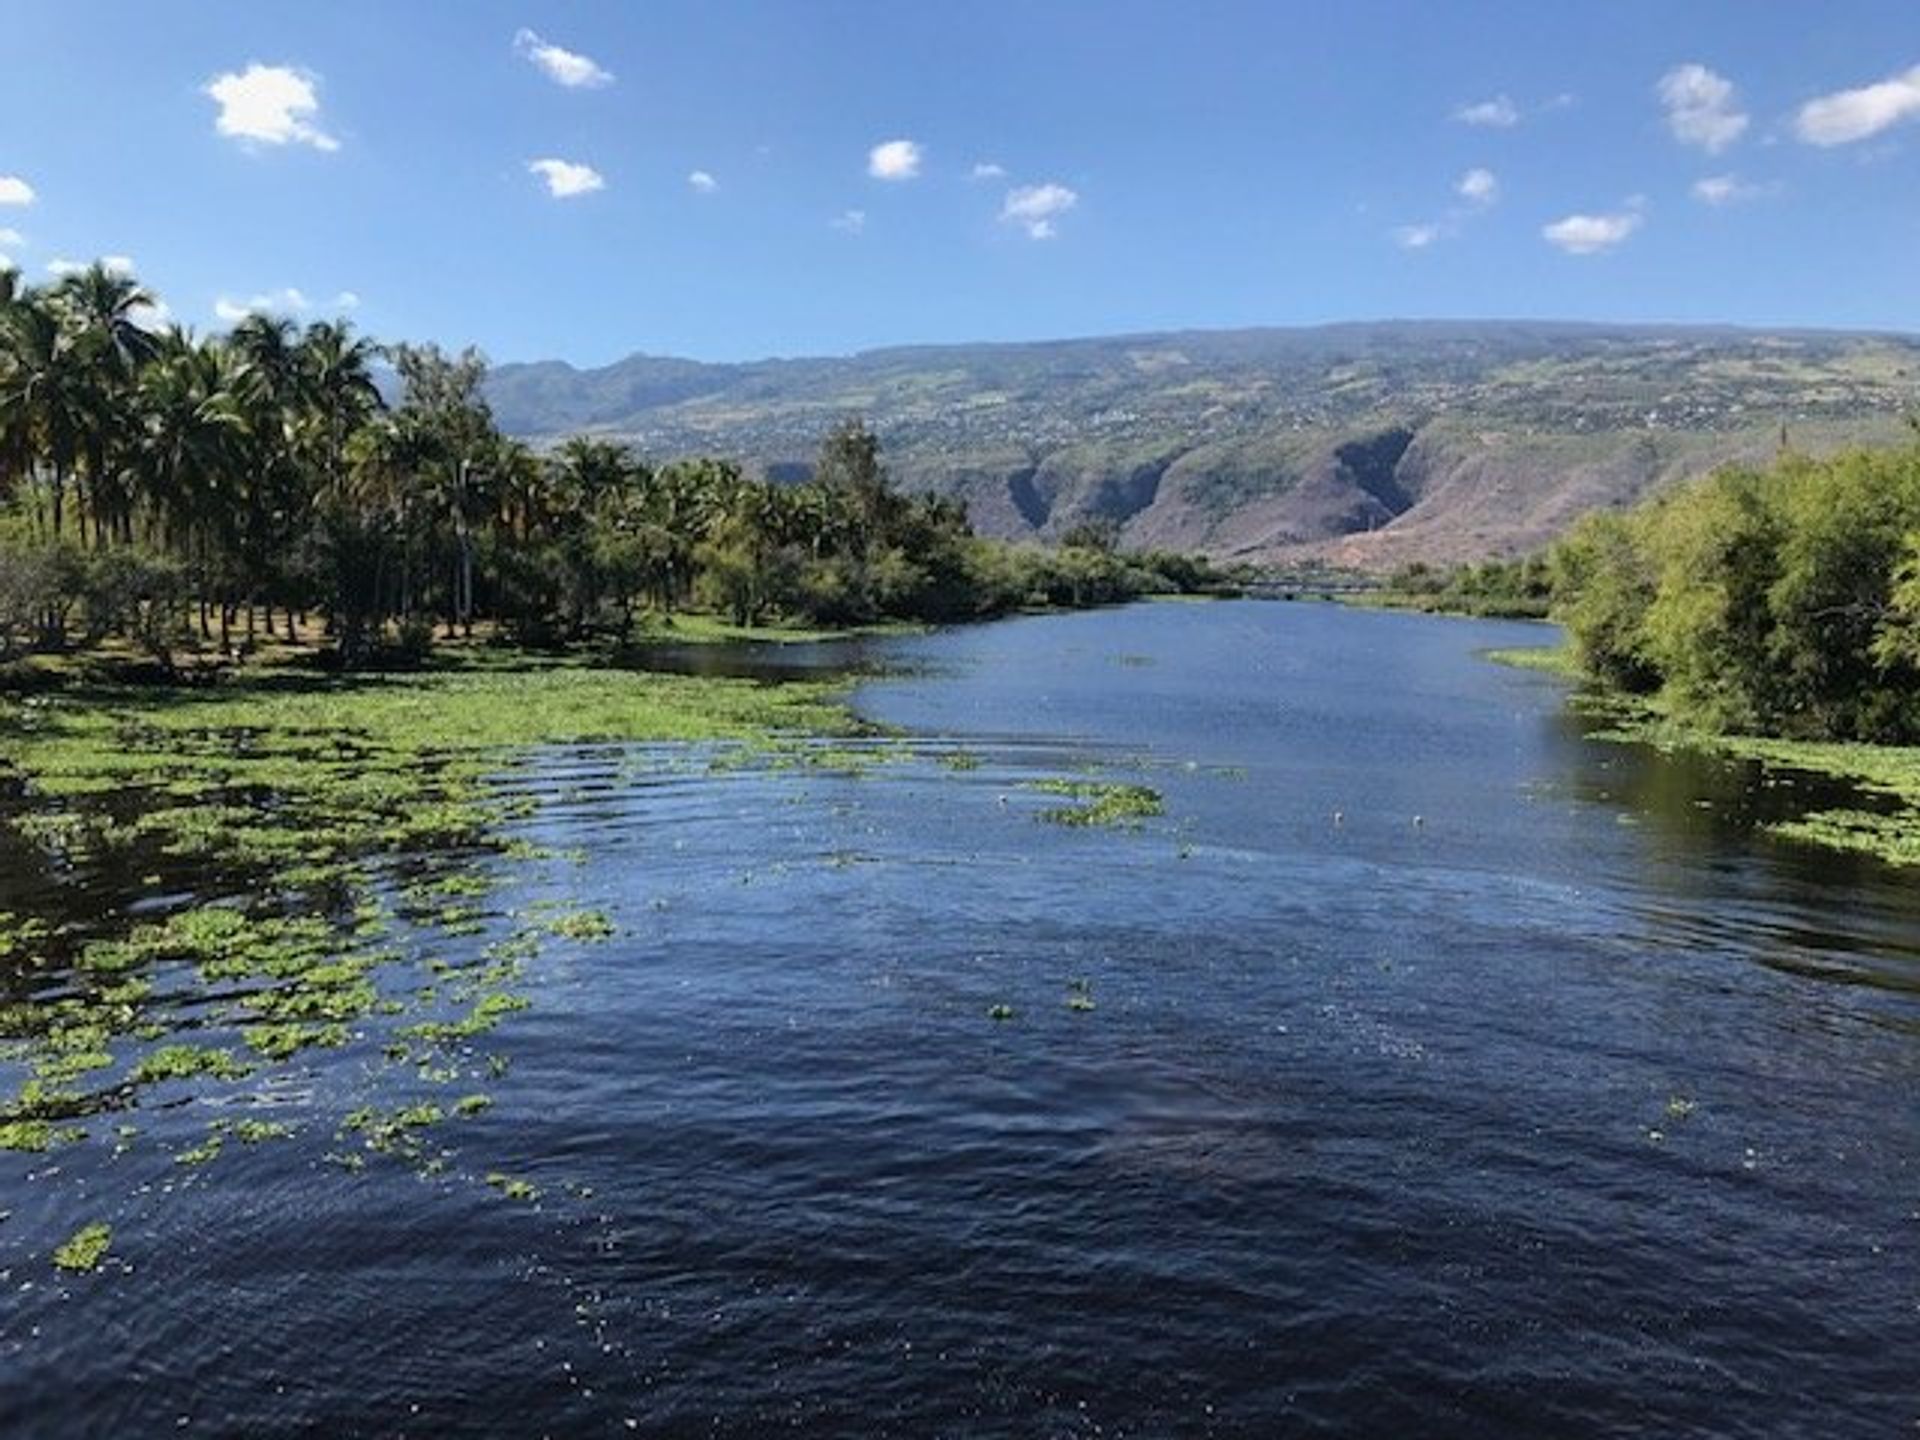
(1427, 1068)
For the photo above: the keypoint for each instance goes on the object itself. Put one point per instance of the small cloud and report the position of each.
(1499, 113)
(987, 170)
(15, 191)
(12, 239)
(894, 160)
(566, 178)
(1035, 207)
(1592, 234)
(1418, 237)
(702, 182)
(269, 105)
(1727, 190)
(1850, 115)
(346, 300)
(851, 221)
(562, 66)
(122, 265)
(1478, 187)
(1701, 108)
(152, 316)
(273, 302)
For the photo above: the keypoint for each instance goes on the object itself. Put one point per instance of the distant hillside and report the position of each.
(1368, 444)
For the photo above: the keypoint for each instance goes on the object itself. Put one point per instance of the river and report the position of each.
(1426, 1068)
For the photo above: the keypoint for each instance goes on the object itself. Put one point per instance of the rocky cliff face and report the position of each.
(1368, 445)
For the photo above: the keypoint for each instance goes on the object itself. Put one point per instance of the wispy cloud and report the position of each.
(15, 191)
(1035, 208)
(1849, 115)
(289, 301)
(12, 239)
(1702, 108)
(1720, 190)
(1499, 113)
(1593, 234)
(560, 65)
(567, 178)
(894, 160)
(61, 267)
(851, 221)
(1479, 186)
(987, 170)
(270, 105)
(701, 182)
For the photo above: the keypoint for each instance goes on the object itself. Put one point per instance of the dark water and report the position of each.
(1575, 1108)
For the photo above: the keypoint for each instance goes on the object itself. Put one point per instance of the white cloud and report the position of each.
(1701, 108)
(562, 66)
(346, 300)
(273, 302)
(1478, 187)
(1849, 115)
(1591, 234)
(894, 160)
(270, 105)
(1499, 113)
(987, 170)
(566, 178)
(1418, 237)
(122, 265)
(1035, 207)
(12, 239)
(851, 221)
(702, 182)
(153, 316)
(15, 191)
(1728, 190)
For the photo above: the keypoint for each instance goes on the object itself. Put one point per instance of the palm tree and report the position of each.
(46, 410)
(101, 308)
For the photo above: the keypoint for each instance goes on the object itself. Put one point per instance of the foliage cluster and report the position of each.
(1783, 602)
(168, 490)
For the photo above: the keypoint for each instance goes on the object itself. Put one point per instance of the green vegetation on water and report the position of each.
(84, 1249)
(1102, 803)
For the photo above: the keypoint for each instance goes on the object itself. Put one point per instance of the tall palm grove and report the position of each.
(178, 495)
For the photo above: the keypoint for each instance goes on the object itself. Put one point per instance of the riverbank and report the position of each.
(1889, 771)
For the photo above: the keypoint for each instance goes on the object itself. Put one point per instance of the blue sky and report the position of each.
(1062, 168)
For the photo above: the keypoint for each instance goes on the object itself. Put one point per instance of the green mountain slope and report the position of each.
(1369, 444)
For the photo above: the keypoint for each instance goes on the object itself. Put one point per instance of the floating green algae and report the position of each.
(1103, 803)
(83, 1251)
(246, 848)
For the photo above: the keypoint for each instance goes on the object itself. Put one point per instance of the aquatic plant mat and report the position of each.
(298, 910)
(201, 888)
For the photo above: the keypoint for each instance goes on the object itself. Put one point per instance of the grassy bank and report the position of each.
(1892, 771)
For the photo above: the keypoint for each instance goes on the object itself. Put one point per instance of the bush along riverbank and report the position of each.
(1771, 616)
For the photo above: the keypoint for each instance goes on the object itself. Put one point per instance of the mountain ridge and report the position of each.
(1369, 443)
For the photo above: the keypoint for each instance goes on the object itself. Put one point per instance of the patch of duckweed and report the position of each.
(81, 1252)
(328, 806)
(1102, 803)
(583, 925)
(205, 1153)
(513, 1189)
(185, 1062)
(33, 1136)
